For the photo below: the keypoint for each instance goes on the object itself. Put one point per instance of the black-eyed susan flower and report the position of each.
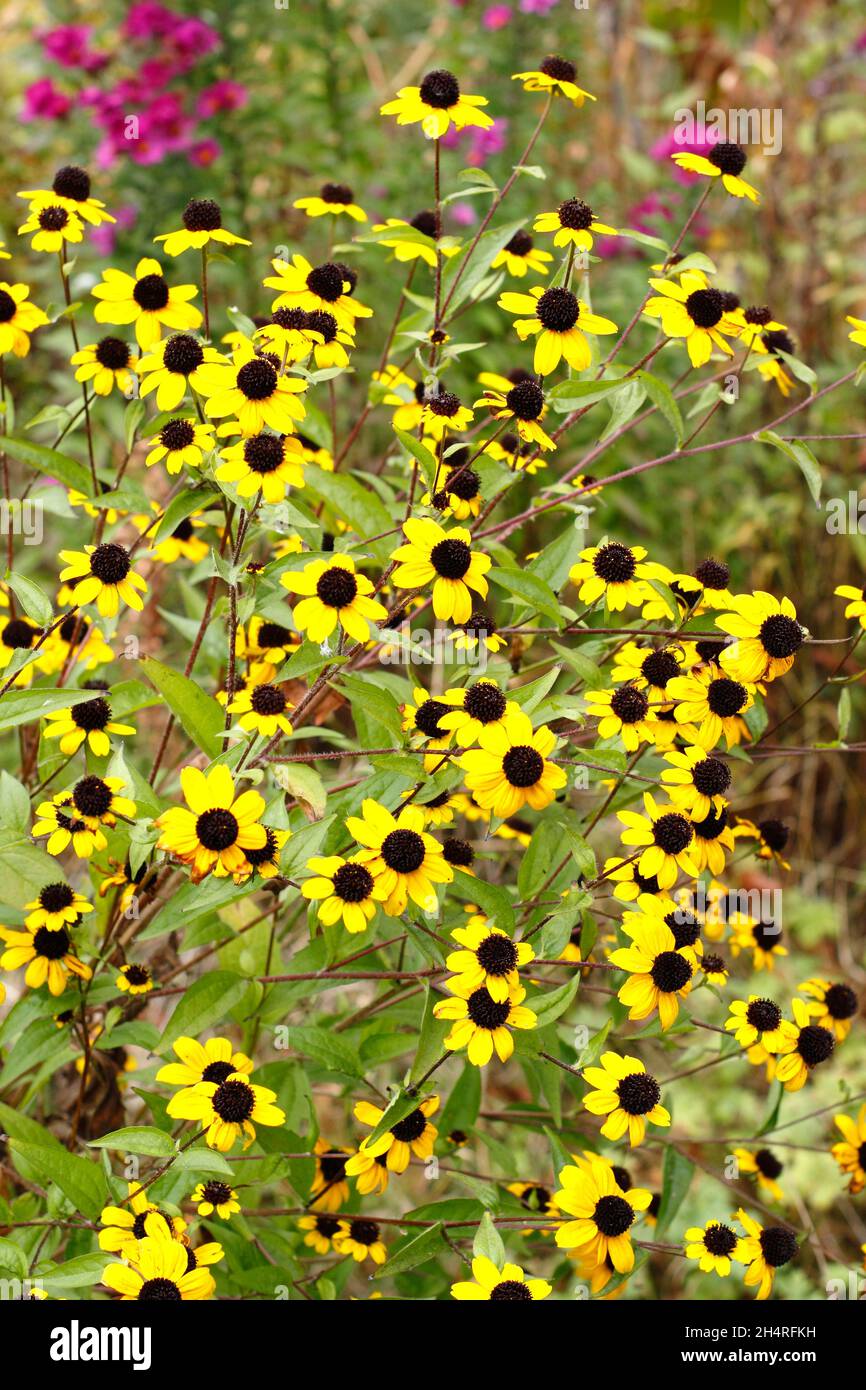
(559, 321)
(51, 226)
(692, 310)
(756, 320)
(554, 75)
(71, 187)
(474, 708)
(763, 938)
(715, 970)
(404, 860)
(437, 104)
(215, 1197)
(616, 571)
(202, 224)
(252, 390)
(445, 559)
(288, 334)
(181, 442)
(262, 709)
(49, 956)
(422, 720)
(524, 404)
(184, 543)
(360, 1238)
(333, 594)
(74, 817)
(414, 1134)
(121, 876)
(266, 643)
(56, 906)
(487, 957)
(772, 365)
(713, 841)
(696, 781)
(440, 809)
(666, 836)
(106, 365)
(329, 1190)
(832, 1005)
(319, 1231)
(123, 1226)
(212, 1060)
(713, 704)
(627, 1094)
(511, 768)
(481, 1023)
(213, 834)
(18, 635)
(331, 200)
(479, 630)
(134, 979)
(765, 1249)
(442, 413)
(172, 368)
(725, 161)
(458, 492)
(603, 1213)
(573, 224)
(146, 300)
(630, 882)
(103, 574)
(657, 908)
(713, 1247)
(88, 721)
(263, 861)
(850, 1151)
(623, 713)
(771, 835)
(660, 974)
(18, 319)
(426, 248)
(344, 889)
(756, 1020)
(767, 637)
(491, 1285)
(264, 463)
(158, 1269)
(328, 340)
(520, 255)
(228, 1109)
(806, 1045)
(765, 1166)
(538, 1200)
(325, 288)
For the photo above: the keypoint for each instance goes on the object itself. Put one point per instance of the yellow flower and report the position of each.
(212, 835)
(202, 224)
(510, 768)
(725, 161)
(666, 836)
(762, 938)
(767, 634)
(18, 319)
(49, 956)
(487, 957)
(147, 300)
(442, 412)
(850, 1152)
(345, 890)
(714, 703)
(835, 1006)
(124, 1226)
(524, 404)
(323, 287)
(263, 463)
(88, 721)
(106, 364)
(554, 75)
(446, 559)
(481, 1023)
(330, 1188)
(181, 543)
(476, 707)
(692, 310)
(212, 1060)
(807, 1045)
(74, 817)
(492, 1285)
(754, 1021)
(660, 972)
(228, 1109)
(561, 321)
(713, 840)
(573, 223)
(262, 708)
(134, 979)
(435, 104)
(332, 594)
(320, 1231)
(603, 1212)
(616, 571)
(182, 441)
(423, 248)
(51, 226)
(359, 1237)
(520, 255)
(173, 368)
(71, 189)
(159, 1269)
(404, 860)
(858, 336)
(628, 1095)
(713, 1247)
(765, 1249)
(696, 781)
(104, 574)
(411, 1135)
(56, 907)
(333, 199)
(766, 1167)
(252, 389)
(625, 713)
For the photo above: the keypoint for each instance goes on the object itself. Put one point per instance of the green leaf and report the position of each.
(374, 700)
(477, 263)
(488, 1241)
(198, 714)
(356, 504)
(403, 1104)
(326, 1048)
(677, 1171)
(417, 1250)
(26, 706)
(418, 451)
(24, 868)
(207, 1001)
(531, 590)
(81, 1272)
(51, 463)
(625, 405)
(137, 1139)
(662, 397)
(79, 1180)
(801, 454)
(304, 784)
(430, 1040)
(574, 395)
(34, 601)
(549, 1007)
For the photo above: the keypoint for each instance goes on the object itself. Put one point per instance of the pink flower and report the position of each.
(69, 45)
(43, 102)
(204, 152)
(496, 17)
(676, 143)
(464, 214)
(224, 95)
(148, 20)
(537, 6)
